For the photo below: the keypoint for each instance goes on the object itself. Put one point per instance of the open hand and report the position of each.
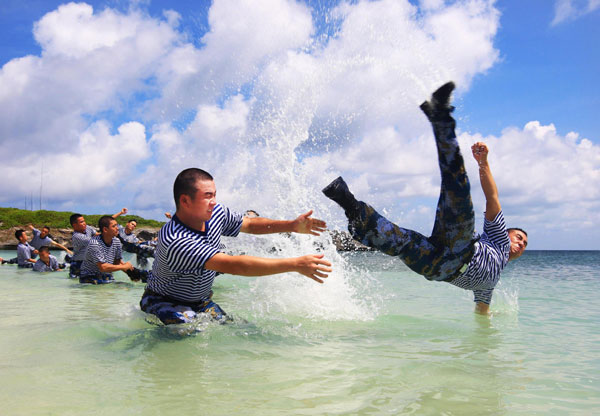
(305, 224)
(314, 267)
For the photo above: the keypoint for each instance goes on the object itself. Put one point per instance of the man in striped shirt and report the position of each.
(451, 254)
(103, 254)
(42, 238)
(188, 253)
(47, 262)
(82, 233)
(25, 252)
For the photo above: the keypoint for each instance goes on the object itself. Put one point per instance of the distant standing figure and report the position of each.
(42, 238)
(25, 251)
(103, 254)
(132, 244)
(82, 234)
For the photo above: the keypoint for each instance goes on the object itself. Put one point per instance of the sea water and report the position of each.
(375, 339)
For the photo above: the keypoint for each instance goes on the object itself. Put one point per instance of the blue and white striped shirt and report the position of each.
(98, 252)
(40, 266)
(491, 255)
(24, 253)
(181, 253)
(130, 238)
(80, 242)
(38, 242)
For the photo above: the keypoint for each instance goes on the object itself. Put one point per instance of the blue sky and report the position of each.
(103, 107)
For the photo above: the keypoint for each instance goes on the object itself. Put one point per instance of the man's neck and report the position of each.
(191, 222)
(107, 240)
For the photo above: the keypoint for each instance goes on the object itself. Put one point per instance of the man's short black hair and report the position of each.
(517, 229)
(104, 222)
(185, 183)
(45, 227)
(73, 218)
(44, 248)
(18, 234)
(132, 220)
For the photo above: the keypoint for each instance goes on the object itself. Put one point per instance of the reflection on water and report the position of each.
(418, 349)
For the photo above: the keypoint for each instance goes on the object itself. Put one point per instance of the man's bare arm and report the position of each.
(109, 268)
(54, 243)
(304, 224)
(488, 184)
(122, 212)
(312, 266)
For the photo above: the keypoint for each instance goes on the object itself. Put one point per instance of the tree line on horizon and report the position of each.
(16, 217)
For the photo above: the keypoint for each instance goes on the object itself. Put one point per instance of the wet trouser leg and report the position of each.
(439, 256)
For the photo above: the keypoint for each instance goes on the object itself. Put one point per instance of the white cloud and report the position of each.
(545, 180)
(98, 162)
(271, 115)
(90, 63)
(244, 36)
(569, 10)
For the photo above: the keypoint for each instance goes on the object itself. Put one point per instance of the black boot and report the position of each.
(438, 108)
(338, 191)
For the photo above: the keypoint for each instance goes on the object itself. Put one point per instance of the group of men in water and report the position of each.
(95, 268)
(188, 253)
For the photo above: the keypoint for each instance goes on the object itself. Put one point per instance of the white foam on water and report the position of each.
(340, 297)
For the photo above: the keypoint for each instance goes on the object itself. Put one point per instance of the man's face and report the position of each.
(23, 238)
(130, 226)
(80, 225)
(44, 255)
(204, 201)
(44, 232)
(518, 243)
(112, 230)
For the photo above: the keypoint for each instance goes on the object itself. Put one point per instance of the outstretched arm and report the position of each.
(492, 202)
(119, 265)
(304, 224)
(312, 266)
(54, 243)
(122, 212)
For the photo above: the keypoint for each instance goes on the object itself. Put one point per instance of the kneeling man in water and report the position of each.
(451, 254)
(189, 252)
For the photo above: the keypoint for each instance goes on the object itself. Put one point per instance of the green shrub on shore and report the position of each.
(14, 217)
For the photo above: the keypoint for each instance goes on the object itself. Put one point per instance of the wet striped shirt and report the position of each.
(80, 242)
(130, 238)
(98, 252)
(24, 253)
(178, 270)
(40, 266)
(37, 241)
(491, 255)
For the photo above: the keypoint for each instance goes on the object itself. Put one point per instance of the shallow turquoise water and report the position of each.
(383, 341)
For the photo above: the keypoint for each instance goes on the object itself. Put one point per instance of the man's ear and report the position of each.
(184, 200)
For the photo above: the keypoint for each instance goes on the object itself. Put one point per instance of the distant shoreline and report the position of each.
(342, 239)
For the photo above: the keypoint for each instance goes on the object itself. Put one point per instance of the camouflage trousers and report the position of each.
(172, 311)
(450, 246)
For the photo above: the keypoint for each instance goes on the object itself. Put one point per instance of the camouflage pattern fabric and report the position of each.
(450, 245)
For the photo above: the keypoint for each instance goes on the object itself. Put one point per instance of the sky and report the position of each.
(103, 102)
